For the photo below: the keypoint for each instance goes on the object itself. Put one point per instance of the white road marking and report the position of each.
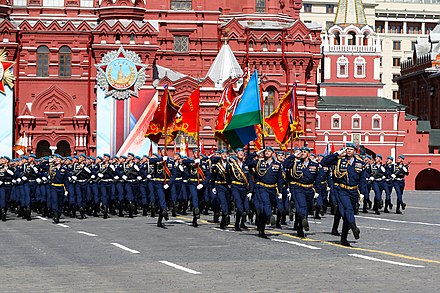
(386, 261)
(41, 218)
(87, 233)
(296, 243)
(62, 225)
(399, 221)
(223, 230)
(124, 247)
(376, 228)
(423, 208)
(179, 267)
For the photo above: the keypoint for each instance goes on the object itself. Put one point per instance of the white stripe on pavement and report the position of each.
(179, 267)
(41, 218)
(62, 225)
(399, 221)
(223, 230)
(296, 243)
(124, 247)
(87, 233)
(386, 261)
(376, 228)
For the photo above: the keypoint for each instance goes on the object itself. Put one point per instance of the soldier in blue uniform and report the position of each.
(58, 178)
(119, 184)
(349, 183)
(80, 178)
(242, 186)
(6, 177)
(399, 172)
(303, 173)
(388, 184)
(268, 178)
(105, 179)
(22, 205)
(220, 182)
(323, 187)
(176, 182)
(368, 173)
(132, 177)
(378, 185)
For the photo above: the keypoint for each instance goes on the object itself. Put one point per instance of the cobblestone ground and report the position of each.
(395, 253)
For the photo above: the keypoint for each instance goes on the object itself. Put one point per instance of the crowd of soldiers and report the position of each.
(264, 187)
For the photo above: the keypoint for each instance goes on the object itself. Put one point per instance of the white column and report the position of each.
(404, 27)
(386, 26)
(423, 28)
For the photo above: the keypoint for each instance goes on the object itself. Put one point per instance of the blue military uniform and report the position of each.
(400, 171)
(6, 177)
(378, 184)
(220, 181)
(58, 178)
(388, 184)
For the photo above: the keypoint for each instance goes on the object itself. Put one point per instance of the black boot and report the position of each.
(317, 216)
(223, 222)
(243, 222)
(398, 208)
(278, 220)
(284, 218)
(262, 225)
(73, 211)
(165, 215)
(403, 205)
(144, 211)
(130, 209)
(237, 222)
(194, 222)
(153, 210)
(364, 208)
(82, 213)
(386, 207)
(174, 209)
(376, 207)
(3, 215)
(56, 219)
(105, 212)
(216, 217)
(305, 224)
(96, 210)
(196, 213)
(159, 221)
(28, 214)
(390, 204)
(355, 230)
(185, 208)
(336, 220)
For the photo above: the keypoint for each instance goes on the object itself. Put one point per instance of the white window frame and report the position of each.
(86, 3)
(359, 61)
(53, 3)
(338, 117)
(376, 116)
(342, 61)
(356, 116)
(21, 3)
(318, 122)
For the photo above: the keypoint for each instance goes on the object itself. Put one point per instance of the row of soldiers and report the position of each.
(265, 184)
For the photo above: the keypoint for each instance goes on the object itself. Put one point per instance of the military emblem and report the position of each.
(6, 74)
(121, 74)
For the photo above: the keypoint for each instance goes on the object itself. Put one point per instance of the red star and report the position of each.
(6, 65)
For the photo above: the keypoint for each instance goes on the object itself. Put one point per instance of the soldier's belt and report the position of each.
(81, 181)
(178, 178)
(221, 182)
(7, 183)
(378, 179)
(302, 185)
(347, 187)
(324, 182)
(400, 179)
(158, 179)
(193, 179)
(238, 183)
(57, 184)
(267, 185)
(106, 180)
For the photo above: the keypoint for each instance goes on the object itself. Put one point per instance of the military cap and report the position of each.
(156, 154)
(370, 157)
(179, 154)
(312, 155)
(92, 158)
(33, 156)
(304, 148)
(390, 158)
(160, 148)
(99, 157)
(58, 156)
(238, 150)
(195, 150)
(280, 153)
(107, 155)
(223, 151)
(321, 155)
(84, 156)
(351, 145)
(7, 158)
(402, 157)
(378, 156)
(269, 148)
(46, 158)
(69, 158)
(25, 157)
(137, 157)
(123, 157)
(131, 154)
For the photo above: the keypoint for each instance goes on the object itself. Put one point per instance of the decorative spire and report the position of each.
(225, 66)
(350, 12)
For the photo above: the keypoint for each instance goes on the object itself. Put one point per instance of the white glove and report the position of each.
(214, 191)
(100, 175)
(361, 198)
(18, 180)
(280, 196)
(24, 178)
(328, 188)
(341, 151)
(38, 180)
(393, 176)
(200, 186)
(14, 181)
(149, 176)
(139, 178)
(405, 169)
(316, 195)
(197, 161)
(382, 168)
(35, 169)
(74, 178)
(12, 173)
(383, 177)
(66, 193)
(181, 168)
(116, 177)
(87, 170)
(44, 178)
(113, 168)
(372, 178)
(260, 152)
(124, 177)
(1, 182)
(296, 154)
(164, 158)
(289, 195)
(166, 186)
(136, 167)
(93, 176)
(249, 195)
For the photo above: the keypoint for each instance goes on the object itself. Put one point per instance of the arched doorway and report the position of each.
(63, 148)
(428, 179)
(43, 149)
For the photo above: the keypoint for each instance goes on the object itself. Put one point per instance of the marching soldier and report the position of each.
(349, 184)
(132, 177)
(268, 185)
(80, 177)
(220, 181)
(176, 182)
(377, 177)
(388, 184)
(323, 187)
(6, 177)
(58, 178)
(105, 178)
(368, 173)
(399, 172)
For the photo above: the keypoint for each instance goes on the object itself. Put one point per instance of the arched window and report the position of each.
(351, 36)
(336, 121)
(260, 6)
(356, 121)
(269, 105)
(377, 122)
(359, 67)
(318, 122)
(65, 62)
(251, 45)
(181, 4)
(342, 67)
(43, 61)
(337, 38)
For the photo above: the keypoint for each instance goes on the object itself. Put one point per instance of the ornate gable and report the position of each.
(53, 100)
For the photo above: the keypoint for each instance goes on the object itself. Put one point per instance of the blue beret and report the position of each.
(234, 158)
(156, 154)
(217, 152)
(58, 156)
(107, 155)
(280, 153)
(269, 148)
(304, 148)
(178, 154)
(288, 154)
(123, 157)
(116, 157)
(390, 158)
(76, 157)
(46, 158)
(378, 156)
(370, 157)
(131, 154)
(69, 158)
(160, 148)
(195, 150)
(351, 145)
(25, 157)
(239, 150)
(223, 151)
(84, 156)
(312, 155)
(92, 158)
(7, 158)
(137, 157)
(321, 155)
(402, 157)
(32, 156)
(99, 157)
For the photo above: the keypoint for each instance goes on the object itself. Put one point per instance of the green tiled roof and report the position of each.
(357, 103)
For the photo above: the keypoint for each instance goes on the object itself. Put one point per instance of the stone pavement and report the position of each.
(395, 253)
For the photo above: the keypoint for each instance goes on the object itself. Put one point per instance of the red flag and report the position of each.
(226, 110)
(295, 122)
(150, 153)
(279, 121)
(163, 117)
(202, 147)
(333, 148)
(188, 121)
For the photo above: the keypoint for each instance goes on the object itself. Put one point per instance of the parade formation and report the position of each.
(261, 188)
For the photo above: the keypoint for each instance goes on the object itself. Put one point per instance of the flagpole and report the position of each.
(165, 127)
